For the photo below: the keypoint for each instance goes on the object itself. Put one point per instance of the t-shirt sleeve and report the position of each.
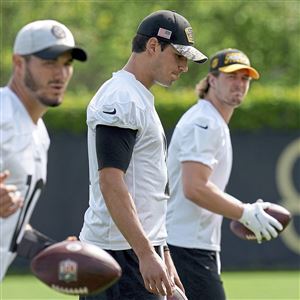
(115, 110)
(200, 142)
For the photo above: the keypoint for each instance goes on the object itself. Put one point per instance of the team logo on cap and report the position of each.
(189, 34)
(214, 63)
(58, 32)
(236, 58)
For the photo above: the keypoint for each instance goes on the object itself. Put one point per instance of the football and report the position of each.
(76, 268)
(278, 212)
(178, 295)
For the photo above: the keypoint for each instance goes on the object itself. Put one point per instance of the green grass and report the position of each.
(265, 285)
(19, 287)
(277, 285)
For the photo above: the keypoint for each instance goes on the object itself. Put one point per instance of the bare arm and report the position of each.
(198, 188)
(123, 211)
(172, 269)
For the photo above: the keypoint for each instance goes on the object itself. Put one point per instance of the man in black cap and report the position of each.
(199, 165)
(42, 67)
(127, 161)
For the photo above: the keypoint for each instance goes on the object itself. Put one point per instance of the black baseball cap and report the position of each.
(173, 28)
(231, 60)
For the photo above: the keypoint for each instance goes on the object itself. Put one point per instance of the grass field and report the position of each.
(267, 285)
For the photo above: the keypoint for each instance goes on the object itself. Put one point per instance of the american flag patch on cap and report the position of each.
(164, 33)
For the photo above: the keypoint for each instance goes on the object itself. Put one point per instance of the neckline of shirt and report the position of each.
(131, 76)
(217, 113)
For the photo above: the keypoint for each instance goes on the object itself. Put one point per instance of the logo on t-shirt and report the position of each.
(201, 126)
(112, 112)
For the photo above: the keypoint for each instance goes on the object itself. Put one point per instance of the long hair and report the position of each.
(202, 87)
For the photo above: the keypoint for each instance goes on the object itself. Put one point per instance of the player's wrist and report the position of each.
(32, 243)
(143, 251)
(247, 211)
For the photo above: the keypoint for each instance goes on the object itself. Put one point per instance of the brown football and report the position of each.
(76, 268)
(278, 212)
(178, 295)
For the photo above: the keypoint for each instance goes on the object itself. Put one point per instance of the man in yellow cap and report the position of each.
(199, 165)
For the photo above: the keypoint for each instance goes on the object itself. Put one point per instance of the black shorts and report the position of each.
(131, 284)
(198, 272)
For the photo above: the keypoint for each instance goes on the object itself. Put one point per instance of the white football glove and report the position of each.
(257, 220)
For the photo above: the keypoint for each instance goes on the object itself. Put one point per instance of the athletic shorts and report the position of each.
(199, 273)
(131, 284)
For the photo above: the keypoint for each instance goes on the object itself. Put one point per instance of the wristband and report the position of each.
(166, 248)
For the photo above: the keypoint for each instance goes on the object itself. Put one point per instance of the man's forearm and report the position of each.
(123, 211)
(212, 198)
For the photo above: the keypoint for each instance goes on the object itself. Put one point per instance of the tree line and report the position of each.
(267, 31)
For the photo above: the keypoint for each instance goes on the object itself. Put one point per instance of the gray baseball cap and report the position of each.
(47, 39)
(172, 28)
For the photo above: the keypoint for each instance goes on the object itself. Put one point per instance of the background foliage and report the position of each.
(265, 107)
(268, 31)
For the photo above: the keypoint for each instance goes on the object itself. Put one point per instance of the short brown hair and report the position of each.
(139, 43)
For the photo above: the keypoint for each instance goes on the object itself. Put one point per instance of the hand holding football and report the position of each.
(278, 212)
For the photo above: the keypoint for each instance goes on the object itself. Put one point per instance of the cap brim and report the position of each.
(55, 51)
(235, 67)
(191, 53)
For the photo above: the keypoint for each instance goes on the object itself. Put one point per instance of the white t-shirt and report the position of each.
(124, 102)
(23, 151)
(202, 136)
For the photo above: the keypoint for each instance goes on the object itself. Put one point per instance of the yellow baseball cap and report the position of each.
(231, 60)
